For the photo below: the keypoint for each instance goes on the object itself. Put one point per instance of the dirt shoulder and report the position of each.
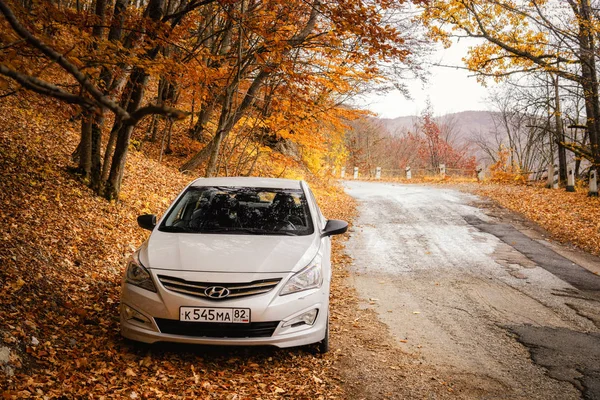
(368, 361)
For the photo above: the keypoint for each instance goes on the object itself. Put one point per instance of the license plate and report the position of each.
(206, 314)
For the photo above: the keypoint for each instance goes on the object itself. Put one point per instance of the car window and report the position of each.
(240, 210)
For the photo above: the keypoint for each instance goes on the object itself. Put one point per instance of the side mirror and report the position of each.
(334, 227)
(147, 221)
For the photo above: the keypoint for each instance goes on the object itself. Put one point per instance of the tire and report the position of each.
(324, 344)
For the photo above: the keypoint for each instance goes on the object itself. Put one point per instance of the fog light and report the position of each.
(131, 314)
(308, 318)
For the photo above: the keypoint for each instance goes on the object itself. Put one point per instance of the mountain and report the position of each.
(466, 124)
(465, 128)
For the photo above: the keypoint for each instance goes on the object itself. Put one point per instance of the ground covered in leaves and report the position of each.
(571, 218)
(63, 252)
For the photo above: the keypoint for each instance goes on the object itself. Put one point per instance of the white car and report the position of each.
(233, 261)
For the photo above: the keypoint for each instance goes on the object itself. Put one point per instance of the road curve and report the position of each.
(490, 308)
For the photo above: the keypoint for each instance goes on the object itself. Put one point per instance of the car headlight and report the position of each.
(308, 278)
(137, 275)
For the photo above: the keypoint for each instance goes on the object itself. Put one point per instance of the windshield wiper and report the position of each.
(174, 229)
(286, 233)
(251, 231)
(233, 230)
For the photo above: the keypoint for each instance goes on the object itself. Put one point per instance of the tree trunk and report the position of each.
(88, 142)
(93, 122)
(197, 158)
(166, 137)
(113, 185)
(211, 167)
(203, 116)
(589, 79)
(96, 167)
(85, 149)
(137, 84)
(110, 149)
(560, 135)
(131, 100)
(153, 131)
(169, 150)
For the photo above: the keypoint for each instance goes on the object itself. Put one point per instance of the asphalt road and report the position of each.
(487, 302)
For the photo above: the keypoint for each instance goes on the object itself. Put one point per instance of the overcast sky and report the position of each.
(450, 90)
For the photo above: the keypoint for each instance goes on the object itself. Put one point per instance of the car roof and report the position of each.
(274, 183)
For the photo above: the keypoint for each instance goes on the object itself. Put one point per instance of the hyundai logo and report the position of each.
(216, 292)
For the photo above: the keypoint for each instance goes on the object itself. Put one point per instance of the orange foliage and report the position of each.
(572, 218)
(502, 171)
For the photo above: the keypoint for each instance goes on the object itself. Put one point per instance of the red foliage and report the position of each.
(433, 149)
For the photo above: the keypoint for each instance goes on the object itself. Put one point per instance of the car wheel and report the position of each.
(324, 344)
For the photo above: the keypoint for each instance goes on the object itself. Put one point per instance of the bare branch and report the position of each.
(176, 17)
(170, 112)
(539, 60)
(9, 45)
(42, 87)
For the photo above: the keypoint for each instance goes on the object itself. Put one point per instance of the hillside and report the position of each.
(62, 254)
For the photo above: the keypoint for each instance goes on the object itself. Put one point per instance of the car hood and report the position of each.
(228, 253)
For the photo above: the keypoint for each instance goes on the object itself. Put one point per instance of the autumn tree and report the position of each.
(430, 142)
(322, 50)
(93, 67)
(553, 37)
(434, 147)
(366, 141)
(521, 125)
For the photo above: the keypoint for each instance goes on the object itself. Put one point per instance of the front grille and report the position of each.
(236, 290)
(216, 330)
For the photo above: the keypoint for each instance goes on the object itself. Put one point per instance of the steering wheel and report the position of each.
(283, 225)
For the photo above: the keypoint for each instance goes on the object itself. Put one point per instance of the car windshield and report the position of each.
(240, 210)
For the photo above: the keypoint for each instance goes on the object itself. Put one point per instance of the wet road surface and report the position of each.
(488, 306)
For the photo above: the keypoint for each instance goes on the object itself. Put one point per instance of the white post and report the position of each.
(480, 174)
(355, 172)
(334, 171)
(593, 183)
(408, 173)
(343, 173)
(550, 177)
(555, 178)
(378, 173)
(443, 170)
(571, 178)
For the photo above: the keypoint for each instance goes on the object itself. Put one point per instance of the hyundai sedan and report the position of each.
(233, 261)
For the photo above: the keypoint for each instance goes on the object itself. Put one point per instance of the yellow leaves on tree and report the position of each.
(503, 171)
(506, 24)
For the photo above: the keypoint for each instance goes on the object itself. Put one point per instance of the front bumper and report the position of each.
(143, 313)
